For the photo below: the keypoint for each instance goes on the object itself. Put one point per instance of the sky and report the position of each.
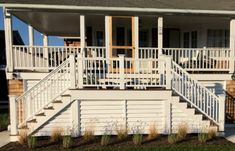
(23, 30)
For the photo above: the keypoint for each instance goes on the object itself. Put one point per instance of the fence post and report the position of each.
(72, 71)
(13, 118)
(80, 71)
(168, 72)
(221, 113)
(121, 71)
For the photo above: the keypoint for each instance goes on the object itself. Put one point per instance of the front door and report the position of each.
(121, 42)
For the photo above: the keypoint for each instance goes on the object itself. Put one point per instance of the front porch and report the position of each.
(199, 46)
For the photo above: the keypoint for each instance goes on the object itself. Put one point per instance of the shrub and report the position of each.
(211, 133)
(137, 133)
(23, 136)
(153, 133)
(67, 141)
(122, 132)
(89, 134)
(203, 137)
(182, 131)
(4, 121)
(105, 139)
(56, 135)
(32, 141)
(172, 138)
(137, 139)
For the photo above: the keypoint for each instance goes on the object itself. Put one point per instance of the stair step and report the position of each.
(57, 101)
(40, 114)
(49, 108)
(32, 121)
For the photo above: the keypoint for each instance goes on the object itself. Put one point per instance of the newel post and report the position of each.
(121, 72)
(13, 117)
(72, 72)
(221, 113)
(80, 71)
(168, 72)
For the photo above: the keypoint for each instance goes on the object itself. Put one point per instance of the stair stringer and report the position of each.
(49, 114)
(181, 114)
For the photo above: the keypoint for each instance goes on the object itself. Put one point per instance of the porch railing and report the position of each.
(200, 59)
(121, 72)
(197, 95)
(40, 57)
(230, 107)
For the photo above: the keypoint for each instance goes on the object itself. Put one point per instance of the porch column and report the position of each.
(232, 45)
(160, 35)
(107, 35)
(31, 35)
(45, 51)
(8, 40)
(82, 33)
(136, 36)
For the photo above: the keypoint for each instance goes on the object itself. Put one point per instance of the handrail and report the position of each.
(45, 91)
(229, 106)
(195, 93)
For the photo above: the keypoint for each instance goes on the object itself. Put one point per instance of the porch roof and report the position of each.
(228, 5)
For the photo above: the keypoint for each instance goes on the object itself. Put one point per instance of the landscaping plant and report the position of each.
(153, 132)
(32, 141)
(138, 133)
(56, 135)
(203, 137)
(122, 131)
(172, 138)
(67, 141)
(23, 136)
(4, 121)
(105, 139)
(89, 133)
(182, 131)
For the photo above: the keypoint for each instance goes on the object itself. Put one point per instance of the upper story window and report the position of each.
(218, 38)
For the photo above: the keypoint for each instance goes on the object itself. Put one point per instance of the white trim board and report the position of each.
(127, 9)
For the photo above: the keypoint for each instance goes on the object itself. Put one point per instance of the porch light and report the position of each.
(233, 76)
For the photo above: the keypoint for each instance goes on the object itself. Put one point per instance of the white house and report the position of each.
(137, 61)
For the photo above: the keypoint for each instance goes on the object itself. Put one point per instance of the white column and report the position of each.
(80, 71)
(72, 71)
(160, 35)
(232, 44)
(45, 51)
(107, 35)
(75, 107)
(221, 113)
(168, 72)
(8, 40)
(31, 35)
(136, 33)
(122, 71)
(82, 33)
(13, 116)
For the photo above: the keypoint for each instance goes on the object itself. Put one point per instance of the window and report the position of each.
(218, 38)
(186, 40)
(194, 39)
(100, 38)
(143, 38)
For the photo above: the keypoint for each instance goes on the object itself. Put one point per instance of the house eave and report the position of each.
(118, 9)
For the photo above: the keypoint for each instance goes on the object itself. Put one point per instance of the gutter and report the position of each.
(120, 9)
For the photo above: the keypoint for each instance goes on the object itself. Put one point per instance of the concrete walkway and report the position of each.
(4, 138)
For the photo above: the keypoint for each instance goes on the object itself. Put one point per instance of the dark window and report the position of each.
(89, 36)
(100, 38)
(194, 39)
(218, 38)
(186, 40)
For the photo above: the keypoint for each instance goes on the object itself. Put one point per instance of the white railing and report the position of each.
(40, 95)
(121, 72)
(200, 59)
(95, 52)
(145, 53)
(196, 94)
(40, 57)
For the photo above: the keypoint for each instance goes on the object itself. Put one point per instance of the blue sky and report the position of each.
(23, 30)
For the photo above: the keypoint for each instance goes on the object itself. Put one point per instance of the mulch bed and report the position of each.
(80, 144)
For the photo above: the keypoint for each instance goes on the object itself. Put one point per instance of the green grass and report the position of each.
(4, 121)
(163, 148)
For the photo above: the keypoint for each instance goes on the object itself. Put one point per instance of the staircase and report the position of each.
(51, 95)
(48, 97)
(198, 96)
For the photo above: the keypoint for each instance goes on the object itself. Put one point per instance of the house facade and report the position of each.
(133, 63)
